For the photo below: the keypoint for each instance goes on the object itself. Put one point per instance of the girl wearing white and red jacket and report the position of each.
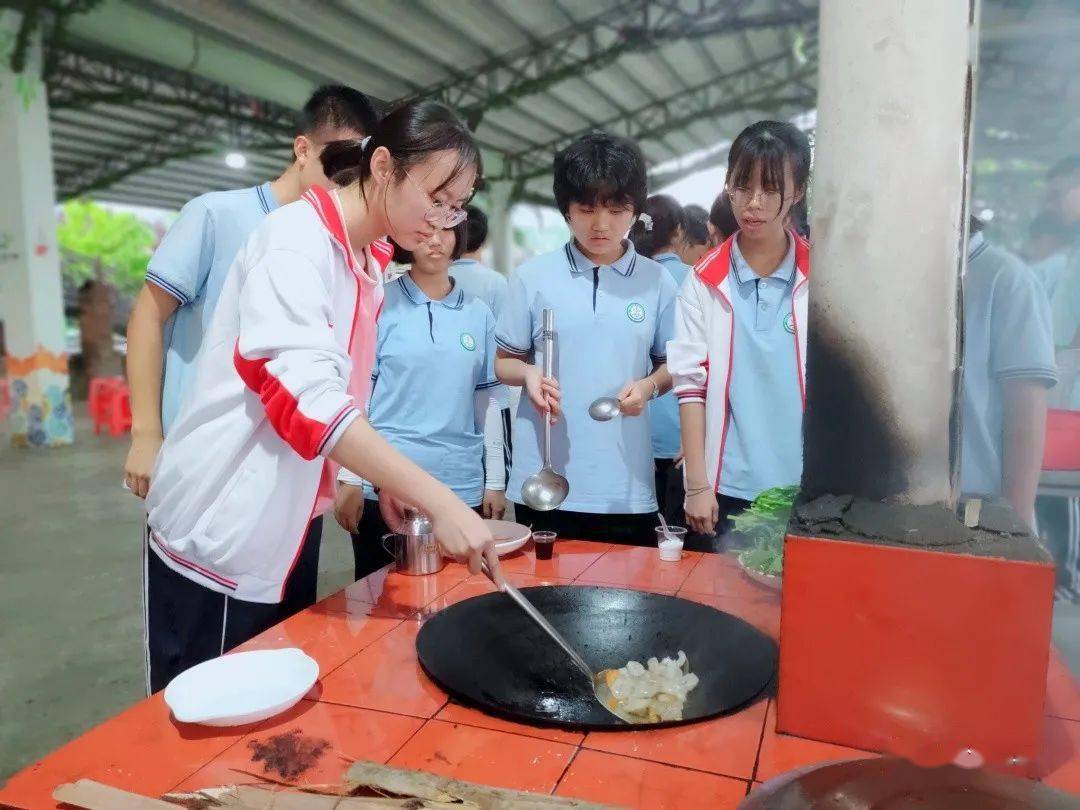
(738, 359)
(280, 393)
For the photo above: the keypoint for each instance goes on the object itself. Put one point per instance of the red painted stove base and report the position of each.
(915, 653)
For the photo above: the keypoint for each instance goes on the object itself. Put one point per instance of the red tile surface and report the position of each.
(398, 595)
(479, 586)
(482, 755)
(384, 699)
(720, 575)
(570, 559)
(727, 745)
(1062, 690)
(763, 612)
(456, 713)
(633, 567)
(331, 638)
(781, 752)
(625, 782)
(141, 750)
(1059, 760)
(386, 676)
(342, 734)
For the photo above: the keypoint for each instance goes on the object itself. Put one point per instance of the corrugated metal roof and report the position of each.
(151, 94)
(536, 73)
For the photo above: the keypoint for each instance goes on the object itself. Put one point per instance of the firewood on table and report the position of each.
(422, 785)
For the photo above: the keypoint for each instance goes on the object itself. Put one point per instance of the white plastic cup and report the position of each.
(670, 542)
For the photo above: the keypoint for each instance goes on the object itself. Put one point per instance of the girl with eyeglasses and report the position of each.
(280, 389)
(432, 390)
(738, 358)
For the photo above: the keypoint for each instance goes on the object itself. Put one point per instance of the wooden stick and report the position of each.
(92, 795)
(421, 785)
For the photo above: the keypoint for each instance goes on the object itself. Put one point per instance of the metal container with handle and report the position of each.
(415, 550)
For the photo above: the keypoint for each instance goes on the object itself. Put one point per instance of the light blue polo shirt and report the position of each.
(664, 412)
(613, 322)
(430, 360)
(481, 281)
(764, 438)
(191, 264)
(1007, 336)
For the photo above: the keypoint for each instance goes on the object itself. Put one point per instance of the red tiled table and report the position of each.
(374, 702)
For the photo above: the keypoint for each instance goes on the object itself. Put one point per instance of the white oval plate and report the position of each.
(512, 535)
(241, 688)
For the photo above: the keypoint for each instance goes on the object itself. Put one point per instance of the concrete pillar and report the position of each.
(500, 232)
(888, 229)
(31, 293)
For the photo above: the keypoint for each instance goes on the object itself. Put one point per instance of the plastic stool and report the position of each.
(99, 399)
(120, 410)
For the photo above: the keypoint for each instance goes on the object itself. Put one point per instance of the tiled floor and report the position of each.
(374, 702)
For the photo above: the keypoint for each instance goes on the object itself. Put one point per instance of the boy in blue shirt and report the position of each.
(613, 316)
(1008, 367)
(186, 272)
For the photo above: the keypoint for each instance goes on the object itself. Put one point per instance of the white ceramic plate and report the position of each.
(509, 537)
(241, 688)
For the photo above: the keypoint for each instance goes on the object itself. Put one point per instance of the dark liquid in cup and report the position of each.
(543, 550)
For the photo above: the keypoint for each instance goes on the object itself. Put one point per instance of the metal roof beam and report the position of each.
(82, 80)
(749, 87)
(187, 140)
(588, 44)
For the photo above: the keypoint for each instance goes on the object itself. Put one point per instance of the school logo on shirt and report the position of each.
(468, 342)
(635, 312)
(789, 322)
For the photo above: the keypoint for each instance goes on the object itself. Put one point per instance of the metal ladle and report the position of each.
(598, 680)
(604, 409)
(546, 490)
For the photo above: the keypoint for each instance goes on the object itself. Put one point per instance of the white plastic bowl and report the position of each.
(517, 535)
(241, 688)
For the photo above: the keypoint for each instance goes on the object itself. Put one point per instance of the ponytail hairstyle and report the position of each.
(411, 133)
(770, 145)
(659, 226)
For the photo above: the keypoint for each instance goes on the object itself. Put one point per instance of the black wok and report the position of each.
(487, 653)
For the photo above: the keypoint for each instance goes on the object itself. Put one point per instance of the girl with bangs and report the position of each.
(280, 391)
(738, 358)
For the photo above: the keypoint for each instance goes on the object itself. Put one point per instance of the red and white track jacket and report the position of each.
(700, 355)
(284, 369)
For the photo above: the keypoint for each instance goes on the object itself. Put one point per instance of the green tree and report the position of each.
(105, 246)
(102, 252)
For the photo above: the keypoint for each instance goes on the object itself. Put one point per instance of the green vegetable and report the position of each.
(764, 524)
